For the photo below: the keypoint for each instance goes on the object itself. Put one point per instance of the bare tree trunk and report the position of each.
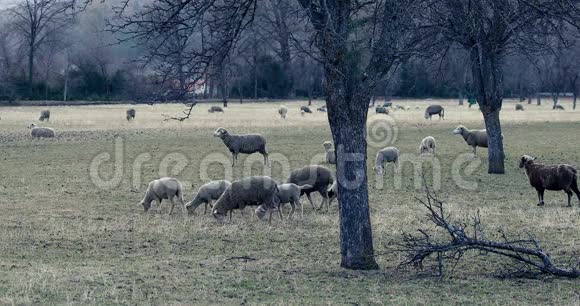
(31, 69)
(487, 76)
(347, 118)
(461, 98)
(240, 90)
(538, 99)
(530, 99)
(65, 91)
(555, 97)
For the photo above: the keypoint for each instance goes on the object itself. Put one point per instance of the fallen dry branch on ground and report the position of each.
(527, 254)
(186, 113)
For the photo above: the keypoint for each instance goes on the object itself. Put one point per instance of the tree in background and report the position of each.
(489, 30)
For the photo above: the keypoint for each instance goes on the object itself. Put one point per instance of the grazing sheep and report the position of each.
(44, 115)
(399, 107)
(283, 110)
(246, 144)
(407, 107)
(332, 192)
(550, 177)
(519, 107)
(381, 110)
(287, 193)
(319, 177)
(558, 107)
(163, 188)
(387, 104)
(215, 109)
(206, 194)
(388, 155)
(249, 191)
(330, 153)
(427, 145)
(306, 109)
(474, 138)
(130, 114)
(322, 109)
(41, 132)
(434, 110)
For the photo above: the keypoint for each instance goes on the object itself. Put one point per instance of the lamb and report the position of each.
(550, 177)
(41, 132)
(434, 110)
(319, 177)
(283, 110)
(44, 115)
(306, 109)
(130, 114)
(330, 153)
(163, 188)
(215, 109)
(206, 194)
(427, 145)
(287, 193)
(249, 191)
(381, 110)
(474, 138)
(558, 107)
(246, 144)
(519, 107)
(388, 155)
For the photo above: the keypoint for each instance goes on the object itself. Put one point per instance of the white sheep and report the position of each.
(163, 188)
(206, 194)
(427, 145)
(41, 132)
(283, 111)
(288, 193)
(330, 153)
(386, 155)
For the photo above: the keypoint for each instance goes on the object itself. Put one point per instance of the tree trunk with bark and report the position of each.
(31, 70)
(347, 116)
(488, 79)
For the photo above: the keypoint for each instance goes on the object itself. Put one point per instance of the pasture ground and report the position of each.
(65, 240)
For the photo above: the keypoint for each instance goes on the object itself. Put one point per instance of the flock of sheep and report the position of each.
(269, 196)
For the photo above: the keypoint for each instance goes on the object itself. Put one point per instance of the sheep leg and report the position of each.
(172, 205)
(233, 159)
(279, 209)
(159, 202)
(266, 159)
(324, 199)
(310, 199)
(541, 197)
(293, 205)
(569, 194)
(474, 149)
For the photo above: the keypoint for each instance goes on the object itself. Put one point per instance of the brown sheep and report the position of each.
(550, 177)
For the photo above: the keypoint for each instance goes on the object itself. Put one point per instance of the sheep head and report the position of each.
(459, 130)
(220, 132)
(260, 212)
(31, 126)
(379, 170)
(327, 145)
(526, 160)
(219, 215)
(146, 205)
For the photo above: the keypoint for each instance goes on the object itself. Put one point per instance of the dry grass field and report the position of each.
(74, 233)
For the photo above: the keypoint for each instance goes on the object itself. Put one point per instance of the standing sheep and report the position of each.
(215, 109)
(386, 155)
(306, 109)
(519, 107)
(206, 194)
(330, 153)
(435, 110)
(131, 114)
(41, 132)
(474, 138)
(287, 193)
(44, 115)
(249, 191)
(246, 144)
(163, 188)
(283, 110)
(550, 177)
(319, 177)
(427, 145)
